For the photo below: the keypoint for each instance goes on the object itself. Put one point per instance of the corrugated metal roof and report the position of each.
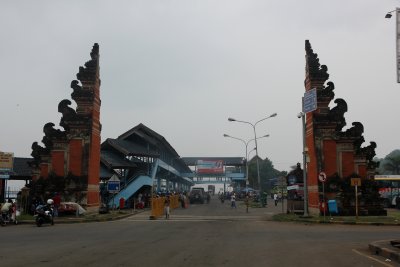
(148, 135)
(104, 172)
(113, 160)
(129, 148)
(21, 167)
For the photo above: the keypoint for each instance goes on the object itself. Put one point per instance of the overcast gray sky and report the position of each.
(182, 67)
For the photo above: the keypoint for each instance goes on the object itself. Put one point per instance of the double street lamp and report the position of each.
(255, 140)
(246, 156)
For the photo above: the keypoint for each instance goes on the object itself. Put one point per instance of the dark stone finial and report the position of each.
(357, 144)
(356, 131)
(37, 151)
(75, 85)
(95, 51)
(327, 91)
(67, 112)
(314, 68)
(50, 133)
(336, 114)
(369, 151)
(88, 73)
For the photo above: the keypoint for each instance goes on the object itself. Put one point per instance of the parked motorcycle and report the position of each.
(44, 213)
(6, 218)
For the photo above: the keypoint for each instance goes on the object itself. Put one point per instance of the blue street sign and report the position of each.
(113, 186)
(310, 100)
(5, 173)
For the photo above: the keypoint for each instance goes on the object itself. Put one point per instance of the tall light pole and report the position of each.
(388, 16)
(246, 157)
(302, 115)
(255, 140)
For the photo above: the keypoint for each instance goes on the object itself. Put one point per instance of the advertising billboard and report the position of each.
(210, 166)
(6, 161)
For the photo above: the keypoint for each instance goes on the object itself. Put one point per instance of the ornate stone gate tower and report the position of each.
(71, 158)
(332, 151)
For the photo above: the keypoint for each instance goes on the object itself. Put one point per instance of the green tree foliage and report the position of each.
(267, 172)
(391, 163)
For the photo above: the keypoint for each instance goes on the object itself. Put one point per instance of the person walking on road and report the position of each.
(247, 202)
(276, 199)
(233, 201)
(166, 207)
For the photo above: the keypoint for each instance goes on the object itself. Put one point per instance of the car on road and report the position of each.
(197, 195)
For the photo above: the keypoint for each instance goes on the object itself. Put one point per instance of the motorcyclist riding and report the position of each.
(8, 211)
(44, 213)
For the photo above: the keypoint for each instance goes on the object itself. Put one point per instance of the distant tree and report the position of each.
(267, 172)
(391, 163)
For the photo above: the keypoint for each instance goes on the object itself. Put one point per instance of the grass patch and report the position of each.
(25, 217)
(392, 218)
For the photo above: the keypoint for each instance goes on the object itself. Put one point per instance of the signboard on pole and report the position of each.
(310, 100)
(113, 184)
(355, 181)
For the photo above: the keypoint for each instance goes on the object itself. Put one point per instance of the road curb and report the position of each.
(337, 222)
(70, 220)
(384, 249)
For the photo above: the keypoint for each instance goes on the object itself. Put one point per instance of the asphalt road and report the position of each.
(202, 235)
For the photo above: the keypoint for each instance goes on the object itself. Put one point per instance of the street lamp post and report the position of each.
(388, 16)
(246, 156)
(255, 140)
(302, 115)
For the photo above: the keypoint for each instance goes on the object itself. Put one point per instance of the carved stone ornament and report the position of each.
(336, 114)
(89, 72)
(327, 91)
(314, 68)
(369, 151)
(356, 131)
(38, 151)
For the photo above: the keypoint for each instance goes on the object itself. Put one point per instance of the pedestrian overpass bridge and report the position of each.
(216, 170)
(142, 160)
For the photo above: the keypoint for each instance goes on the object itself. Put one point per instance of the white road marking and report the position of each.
(372, 258)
